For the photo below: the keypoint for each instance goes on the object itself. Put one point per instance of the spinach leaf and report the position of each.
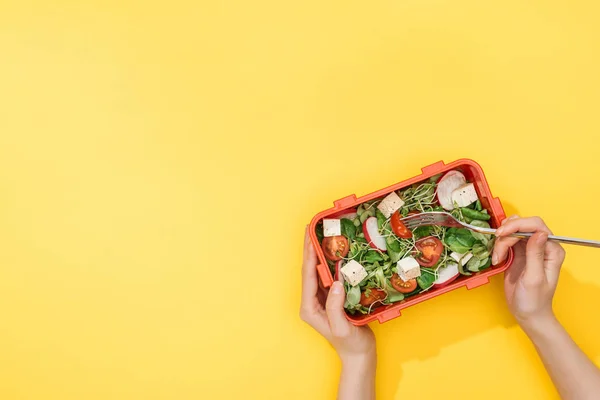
(473, 214)
(353, 296)
(461, 269)
(393, 295)
(348, 228)
(454, 245)
(486, 264)
(373, 256)
(478, 206)
(480, 251)
(394, 256)
(422, 231)
(459, 240)
(473, 264)
(426, 279)
(464, 237)
(392, 244)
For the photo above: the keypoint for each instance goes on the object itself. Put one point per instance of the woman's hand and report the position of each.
(325, 312)
(354, 345)
(530, 282)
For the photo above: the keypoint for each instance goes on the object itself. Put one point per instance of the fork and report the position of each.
(446, 219)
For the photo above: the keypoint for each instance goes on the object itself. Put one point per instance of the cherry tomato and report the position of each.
(430, 248)
(401, 286)
(374, 295)
(398, 226)
(335, 247)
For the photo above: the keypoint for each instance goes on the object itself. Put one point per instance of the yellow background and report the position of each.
(159, 160)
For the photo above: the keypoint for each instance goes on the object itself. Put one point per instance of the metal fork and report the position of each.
(446, 219)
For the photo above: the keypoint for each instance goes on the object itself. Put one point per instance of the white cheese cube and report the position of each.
(353, 272)
(408, 268)
(332, 227)
(390, 204)
(461, 258)
(464, 195)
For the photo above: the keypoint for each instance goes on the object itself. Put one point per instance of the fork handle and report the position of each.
(554, 238)
(561, 239)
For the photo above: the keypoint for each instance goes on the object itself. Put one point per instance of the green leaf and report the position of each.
(393, 295)
(373, 256)
(360, 210)
(478, 205)
(461, 269)
(473, 214)
(426, 279)
(348, 228)
(486, 264)
(319, 232)
(480, 251)
(353, 296)
(380, 278)
(363, 217)
(394, 256)
(465, 238)
(422, 231)
(380, 219)
(392, 244)
(473, 264)
(453, 244)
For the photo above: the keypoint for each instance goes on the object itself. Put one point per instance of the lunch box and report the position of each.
(474, 173)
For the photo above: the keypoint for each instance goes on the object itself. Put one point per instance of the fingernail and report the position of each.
(337, 288)
(494, 258)
(499, 231)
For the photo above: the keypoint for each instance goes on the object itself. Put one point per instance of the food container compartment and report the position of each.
(474, 173)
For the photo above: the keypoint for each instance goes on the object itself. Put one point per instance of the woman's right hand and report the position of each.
(530, 283)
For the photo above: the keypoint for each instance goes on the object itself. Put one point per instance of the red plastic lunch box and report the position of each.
(473, 173)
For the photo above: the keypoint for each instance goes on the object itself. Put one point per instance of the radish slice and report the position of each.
(448, 184)
(446, 275)
(349, 214)
(372, 235)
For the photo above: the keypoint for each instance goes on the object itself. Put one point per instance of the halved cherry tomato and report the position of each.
(398, 226)
(335, 247)
(430, 248)
(374, 295)
(401, 286)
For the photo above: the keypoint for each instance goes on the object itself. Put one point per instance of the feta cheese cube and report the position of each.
(353, 272)
(461, 258)
(332, 227)
(390, 204)
(464, 195)
(408, 268)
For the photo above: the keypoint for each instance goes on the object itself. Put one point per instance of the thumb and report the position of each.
(335, 310)
(534, 268)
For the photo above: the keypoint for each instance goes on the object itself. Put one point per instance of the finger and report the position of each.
(532, 224)
(502, 245)
(335, 310)
(515, 271)
(555, 256)
(509, 219)
(535, 255)
(309, 273)
(512, 225)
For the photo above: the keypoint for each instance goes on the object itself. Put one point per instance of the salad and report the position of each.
(381, 261)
